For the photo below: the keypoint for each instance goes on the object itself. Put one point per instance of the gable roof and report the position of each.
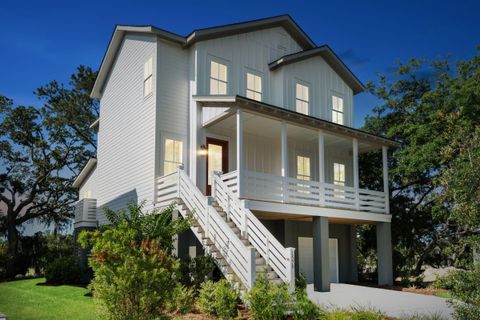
(85, 173)
(284, 21)
(330, 57)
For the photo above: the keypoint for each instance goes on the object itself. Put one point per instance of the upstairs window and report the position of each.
(148, 77)
(254, 87)
(303, 168)
(173, 155)
(301, 98)
(339, 174)
(218, 78)
(337, 110)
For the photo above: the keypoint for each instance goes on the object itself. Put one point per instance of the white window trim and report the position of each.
(305, 84)
(262, 84)
(332, 111)
(303, 175)
(209, 74)
(167, 135)
(148, 77)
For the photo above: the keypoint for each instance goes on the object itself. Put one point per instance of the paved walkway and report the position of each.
(392, 303)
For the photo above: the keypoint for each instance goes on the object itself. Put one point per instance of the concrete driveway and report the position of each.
(392, 303)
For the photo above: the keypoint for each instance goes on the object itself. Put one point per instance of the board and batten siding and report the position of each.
(242, 53)
(126, 139)
(172, 99)
(323, 82)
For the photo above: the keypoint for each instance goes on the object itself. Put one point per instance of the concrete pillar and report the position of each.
(384, 253)
(353, 254)
(321, 264)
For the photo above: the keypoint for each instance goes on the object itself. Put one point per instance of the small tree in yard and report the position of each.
(135, 274)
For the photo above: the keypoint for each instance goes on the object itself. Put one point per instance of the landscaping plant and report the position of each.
(135, 274)
(218, 299)
(268, 301)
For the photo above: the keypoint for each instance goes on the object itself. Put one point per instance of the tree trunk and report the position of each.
(12, 236)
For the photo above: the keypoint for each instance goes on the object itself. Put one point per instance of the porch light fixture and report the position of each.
(203, 150)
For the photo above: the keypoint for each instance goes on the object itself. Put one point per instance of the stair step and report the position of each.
(269, 274)
(260, 261)
(276, 281)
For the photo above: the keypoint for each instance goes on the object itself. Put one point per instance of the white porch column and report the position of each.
(385, 178)
(284, 159)
(356, 184)
(240, 164)
(321, 165)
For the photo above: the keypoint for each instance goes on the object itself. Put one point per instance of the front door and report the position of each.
(217, 159)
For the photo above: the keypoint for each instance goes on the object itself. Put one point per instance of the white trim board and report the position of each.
(316, 211)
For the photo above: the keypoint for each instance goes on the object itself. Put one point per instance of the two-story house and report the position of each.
(249, 128)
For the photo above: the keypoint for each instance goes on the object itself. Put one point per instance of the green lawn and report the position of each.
(23, 299)
(443, 295)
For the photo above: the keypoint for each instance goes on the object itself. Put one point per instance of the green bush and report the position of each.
(3, 258)
(354, 314)
(268, 301)
(218, 299)
(304, 308)
(184, 300)
(193, 272)
(63, 270)
(135, 275)
(465, 286)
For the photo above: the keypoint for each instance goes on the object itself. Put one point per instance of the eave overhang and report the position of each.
(89, 167)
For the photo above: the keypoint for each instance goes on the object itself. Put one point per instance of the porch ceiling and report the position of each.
(267, 111)
(270, 128)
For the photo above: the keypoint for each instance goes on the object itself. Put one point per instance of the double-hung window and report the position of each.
(148, 77)
(303, 168)
(301, 98)
(173, 155)
(339, 178)
(218, 78)
(254, 87)
(337, 110)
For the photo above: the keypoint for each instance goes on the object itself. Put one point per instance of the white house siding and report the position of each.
(90, 186)
(323, 82)
(244, 52)
(172, 98)
(126, 139)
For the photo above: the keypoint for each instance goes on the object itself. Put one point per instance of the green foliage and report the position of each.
(134, 272)
(41, 153)
(304, 308)
(3, 258)
(268, 301)
(184, 300)
(466, 288)
(433, 110)
(193, 272)
(218, 299)
(356, 313)
(300, 281)
(63, 270)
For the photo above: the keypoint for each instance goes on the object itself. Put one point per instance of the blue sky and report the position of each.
(45, 40)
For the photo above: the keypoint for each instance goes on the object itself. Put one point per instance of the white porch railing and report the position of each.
(268, 187)
(281, 259)
(239, 257)
(86, 212)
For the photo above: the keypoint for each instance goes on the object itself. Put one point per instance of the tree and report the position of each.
(41, 152)
(430, 108)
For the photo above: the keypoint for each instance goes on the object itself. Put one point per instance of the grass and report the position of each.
(445, 295)
(24, 300)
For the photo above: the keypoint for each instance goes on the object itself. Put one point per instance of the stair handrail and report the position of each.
(240, 258)
(281, 259)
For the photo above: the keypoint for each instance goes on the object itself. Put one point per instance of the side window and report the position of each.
(303, 168)
(173, 155)
(339, 174)
(338, 115)
(148, 77)
(254, 86)
(301, 98)
(218, 78)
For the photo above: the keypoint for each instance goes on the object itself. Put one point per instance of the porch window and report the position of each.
(147, 77)
(254, 87)
(301, 98)
(337, 110)
(218, 78)
(303, 168)
(339, 179)
(173, 155)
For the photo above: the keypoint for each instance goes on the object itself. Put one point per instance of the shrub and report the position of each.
(218, 299)
(354, 314)
(267, 301)
(304, 308)
(300, 282)
(465, 286)
(135, 275)
(63, 271)
(3, 258)
(194, 272)
(184, 300)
